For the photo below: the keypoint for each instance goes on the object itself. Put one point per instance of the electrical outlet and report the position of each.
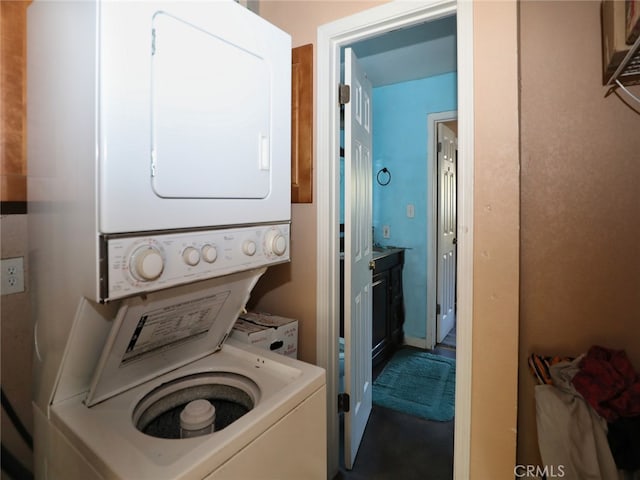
(12, 275)
(386, 231)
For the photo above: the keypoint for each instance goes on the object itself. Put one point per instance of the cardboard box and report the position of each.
(614, 44)
(633, 20)
(271, 332)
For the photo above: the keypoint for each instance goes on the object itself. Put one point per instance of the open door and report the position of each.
(357, 256)
(447, 208)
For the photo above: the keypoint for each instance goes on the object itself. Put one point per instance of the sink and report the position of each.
(385, 248)
(380, 252)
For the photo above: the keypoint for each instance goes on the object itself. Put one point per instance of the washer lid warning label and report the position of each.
(174, 324)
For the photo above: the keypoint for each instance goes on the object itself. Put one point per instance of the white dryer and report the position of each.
(162, 354)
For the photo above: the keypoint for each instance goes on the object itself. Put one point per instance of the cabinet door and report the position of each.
(13, 172)
(396, 314)
(302, 124)
(380, 287)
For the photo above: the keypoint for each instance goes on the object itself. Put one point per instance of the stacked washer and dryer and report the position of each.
(159, 179)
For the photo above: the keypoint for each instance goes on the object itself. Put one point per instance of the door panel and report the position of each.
(210, 131)
(446, 269)
(358, 253)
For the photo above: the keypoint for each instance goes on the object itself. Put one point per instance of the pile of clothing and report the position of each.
(588, 414)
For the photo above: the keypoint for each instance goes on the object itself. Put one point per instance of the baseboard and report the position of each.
(415, 342)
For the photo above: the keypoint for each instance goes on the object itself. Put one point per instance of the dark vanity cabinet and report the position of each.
(387, 303)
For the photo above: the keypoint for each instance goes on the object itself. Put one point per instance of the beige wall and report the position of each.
(16, 348)
(496, 240)
(580, 259)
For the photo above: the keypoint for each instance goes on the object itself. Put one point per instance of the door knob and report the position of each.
(372, 265)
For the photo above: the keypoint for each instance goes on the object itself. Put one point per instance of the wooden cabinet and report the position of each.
(388, 303)
(302, 124)
(13, 170)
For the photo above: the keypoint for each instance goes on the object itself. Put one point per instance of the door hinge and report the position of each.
(344, 94)
(439, 147)
(438, 309)
(343, 402)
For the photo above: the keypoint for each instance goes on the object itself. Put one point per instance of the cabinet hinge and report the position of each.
(344, 402)
(438, 308)
(344, 94)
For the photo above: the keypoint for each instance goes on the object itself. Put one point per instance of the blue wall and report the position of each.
(400, 144)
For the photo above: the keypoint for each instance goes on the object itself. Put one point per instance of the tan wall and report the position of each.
(496, 240)
(580, 258)
(17, 348)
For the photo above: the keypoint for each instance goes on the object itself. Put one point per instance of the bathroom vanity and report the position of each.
(388, 303)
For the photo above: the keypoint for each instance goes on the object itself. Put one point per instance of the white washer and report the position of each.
(162, 352)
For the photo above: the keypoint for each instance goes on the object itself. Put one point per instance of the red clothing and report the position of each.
(608, 382)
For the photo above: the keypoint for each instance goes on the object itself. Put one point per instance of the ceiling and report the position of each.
(412, 53)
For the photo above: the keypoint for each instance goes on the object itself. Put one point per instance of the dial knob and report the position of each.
(249, 248)
(275, 242)
(191, 256)
(146, 263)
(209, 253)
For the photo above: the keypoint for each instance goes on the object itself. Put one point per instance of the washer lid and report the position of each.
(168, 329)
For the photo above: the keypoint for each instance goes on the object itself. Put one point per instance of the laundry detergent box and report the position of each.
(271, 332)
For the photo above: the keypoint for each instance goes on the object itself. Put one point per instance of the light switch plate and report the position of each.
(411, 211)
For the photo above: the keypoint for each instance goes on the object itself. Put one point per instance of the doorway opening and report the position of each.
(331, 38)
(442, 237)
(407, 226)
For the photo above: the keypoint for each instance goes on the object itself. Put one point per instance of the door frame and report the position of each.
(331, 37)
(432, 211)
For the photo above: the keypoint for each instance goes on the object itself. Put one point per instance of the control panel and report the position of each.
(142, 264)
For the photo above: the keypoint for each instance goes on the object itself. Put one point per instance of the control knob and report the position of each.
(209, 253)
(249, 248)
(275, 242)
(146, 263)
(191, 256)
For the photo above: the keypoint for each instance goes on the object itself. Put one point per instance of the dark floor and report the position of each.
(399, 446)
(450, 339)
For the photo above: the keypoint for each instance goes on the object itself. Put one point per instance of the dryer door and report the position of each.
(210, 116)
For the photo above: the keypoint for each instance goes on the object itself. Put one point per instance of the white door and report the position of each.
(446, 269)
(357, 251)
